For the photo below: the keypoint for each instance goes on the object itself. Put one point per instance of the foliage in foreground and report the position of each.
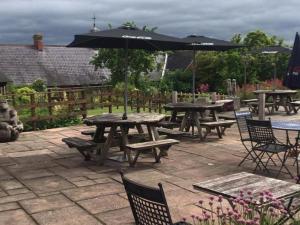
(247, 209)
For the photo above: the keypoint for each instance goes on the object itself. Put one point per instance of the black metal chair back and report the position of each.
(241, 118)
(261, 131)
(148, 204)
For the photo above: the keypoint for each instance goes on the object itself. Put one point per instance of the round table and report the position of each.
(114, 120)
(289, 126)
(286, 125)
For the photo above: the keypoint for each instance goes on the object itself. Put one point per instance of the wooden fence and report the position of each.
(71, 103)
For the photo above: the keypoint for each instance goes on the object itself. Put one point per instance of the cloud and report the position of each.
(59, 20)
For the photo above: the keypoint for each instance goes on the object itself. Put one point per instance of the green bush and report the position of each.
(39, 85)
(23, 94)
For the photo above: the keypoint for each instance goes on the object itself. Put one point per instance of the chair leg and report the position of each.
(249, 153)
(259, 157)
(283, 164)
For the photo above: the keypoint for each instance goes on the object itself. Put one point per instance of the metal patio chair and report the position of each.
(241, 118)
(148, 204)
(264, 143)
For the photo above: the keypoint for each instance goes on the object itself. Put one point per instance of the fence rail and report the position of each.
(69, 103)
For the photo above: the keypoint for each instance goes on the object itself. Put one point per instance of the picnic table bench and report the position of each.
(85, 147)
(221, 124)
(154, 145)
(295, 105)
(171, 133)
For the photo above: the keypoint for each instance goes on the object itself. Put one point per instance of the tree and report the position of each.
(140, 62)
(215, 67)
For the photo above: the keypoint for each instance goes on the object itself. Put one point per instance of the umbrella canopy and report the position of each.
(208, 44)
(205, 44)
(292, 78)
(128, 37)
(136, 39)
(273, 50)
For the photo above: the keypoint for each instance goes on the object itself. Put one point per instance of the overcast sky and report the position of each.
(59, 20)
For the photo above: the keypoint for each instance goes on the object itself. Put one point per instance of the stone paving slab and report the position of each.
(117, 217)
(45, 203)
(47, 184)
(66, 216)
(15, 217)
(104, 203)
(92, 191)
(44, 182)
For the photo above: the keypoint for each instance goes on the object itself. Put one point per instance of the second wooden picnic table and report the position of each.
(279, 98)
(193, 112)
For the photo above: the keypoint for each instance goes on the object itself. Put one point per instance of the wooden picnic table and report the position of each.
(230, 187)
(114, 121)
(193, 113)
(279, 98)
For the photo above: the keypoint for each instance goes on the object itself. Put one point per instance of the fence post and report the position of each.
(150, 103)
(101, 99)
(261, 106)
(159, 103)
(110, 103)
(83, 105)
(32, 107)
(174, 96)
(138, 101)
(50, 111)
(144, 101)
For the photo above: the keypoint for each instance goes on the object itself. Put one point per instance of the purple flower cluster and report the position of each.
(247, 209)
(203, 88)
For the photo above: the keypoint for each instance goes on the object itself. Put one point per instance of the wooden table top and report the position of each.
(276, 92)
(231, 185)
(186, 106)
(132, 119)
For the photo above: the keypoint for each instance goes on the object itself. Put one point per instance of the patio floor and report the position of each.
(44, 182)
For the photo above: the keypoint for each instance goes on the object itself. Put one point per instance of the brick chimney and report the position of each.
(38, 43)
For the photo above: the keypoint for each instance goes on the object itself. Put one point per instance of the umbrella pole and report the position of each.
(245, 76)
(126, 81)
(275, 73)
(194, 74)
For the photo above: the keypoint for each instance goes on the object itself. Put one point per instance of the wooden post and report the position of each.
(159, 103)
(101, 99)
(174, 96)
(138, 102)
(110, 103)
(144, 102)
(150, 103)
(50, 111)
(32, 107)
(83, 106)
(261, 106)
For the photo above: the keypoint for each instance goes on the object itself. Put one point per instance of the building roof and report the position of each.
(56, 65)
(179, 60)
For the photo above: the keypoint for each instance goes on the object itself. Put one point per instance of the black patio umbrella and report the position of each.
(206, 44)
(292, 78)
(128, 37)
(274, 50)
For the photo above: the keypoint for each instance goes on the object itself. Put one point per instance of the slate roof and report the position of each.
(56, 65)
(179, 60)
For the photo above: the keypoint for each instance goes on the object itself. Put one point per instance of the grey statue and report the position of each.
(10, 126)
